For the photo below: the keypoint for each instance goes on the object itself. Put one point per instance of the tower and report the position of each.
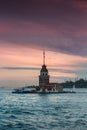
(43, 77)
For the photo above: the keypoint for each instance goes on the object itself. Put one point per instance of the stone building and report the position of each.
(44, 79)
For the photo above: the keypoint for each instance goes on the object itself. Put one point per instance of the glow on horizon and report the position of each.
(58, 26)
(58, 64)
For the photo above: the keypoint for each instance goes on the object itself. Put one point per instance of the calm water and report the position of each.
(43, 112)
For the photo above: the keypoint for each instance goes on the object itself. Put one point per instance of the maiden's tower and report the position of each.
(44, 76)
(44, 79)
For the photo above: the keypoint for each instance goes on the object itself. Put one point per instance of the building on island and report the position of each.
(44, 80)
(43, 77)
(44, 83)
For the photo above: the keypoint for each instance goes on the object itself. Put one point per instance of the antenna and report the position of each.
(43, 57)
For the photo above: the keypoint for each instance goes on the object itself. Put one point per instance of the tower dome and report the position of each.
(44, 69)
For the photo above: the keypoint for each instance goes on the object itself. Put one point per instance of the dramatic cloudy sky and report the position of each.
(28, 26)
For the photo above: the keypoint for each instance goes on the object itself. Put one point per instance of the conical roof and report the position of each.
(44, 69)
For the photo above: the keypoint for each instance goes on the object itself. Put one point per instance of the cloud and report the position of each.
(56, 25)
(19, 68)
(51, 70)
(82, 4)
(59, 26)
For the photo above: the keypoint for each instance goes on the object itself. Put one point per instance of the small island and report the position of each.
(45, 86)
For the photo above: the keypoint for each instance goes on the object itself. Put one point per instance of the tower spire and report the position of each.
(43, 57)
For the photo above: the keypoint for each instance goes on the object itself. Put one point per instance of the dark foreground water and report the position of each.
(43, 112)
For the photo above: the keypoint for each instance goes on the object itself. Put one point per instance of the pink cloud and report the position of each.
(81, 5)
(25, 28)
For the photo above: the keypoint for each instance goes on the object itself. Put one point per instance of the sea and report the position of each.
(66, 111)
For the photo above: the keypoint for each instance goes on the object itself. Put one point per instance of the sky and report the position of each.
(29, 26)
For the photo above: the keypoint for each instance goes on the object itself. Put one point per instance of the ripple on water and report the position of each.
(43, 112)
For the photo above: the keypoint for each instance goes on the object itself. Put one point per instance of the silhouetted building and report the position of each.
(44, 77)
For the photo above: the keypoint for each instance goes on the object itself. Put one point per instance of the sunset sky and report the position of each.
(29, 26)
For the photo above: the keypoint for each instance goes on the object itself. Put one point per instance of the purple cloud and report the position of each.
(56, 25)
